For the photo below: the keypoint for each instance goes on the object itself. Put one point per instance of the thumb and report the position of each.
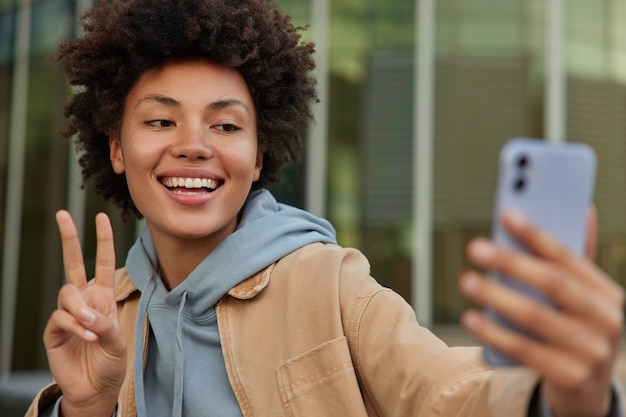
(592, 233)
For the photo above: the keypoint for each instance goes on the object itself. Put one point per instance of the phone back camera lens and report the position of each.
(522, 161)
(519, 185)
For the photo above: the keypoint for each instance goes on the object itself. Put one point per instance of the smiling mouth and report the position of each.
(189, 186)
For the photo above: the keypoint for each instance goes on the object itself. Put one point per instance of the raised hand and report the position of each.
(580, 339)
(85, 346)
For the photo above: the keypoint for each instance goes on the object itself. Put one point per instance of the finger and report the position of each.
(546, 247)
(72, 253)
(70, 299)
(60, 325)
(108, 333)
(546, 323)
(85, 322)
(555, 282)
(105, 252)
(71, 311)
(554, 364)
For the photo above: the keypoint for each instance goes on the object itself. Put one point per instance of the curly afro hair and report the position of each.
(124, 39)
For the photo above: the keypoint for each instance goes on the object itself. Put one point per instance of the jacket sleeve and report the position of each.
(405, 370)
(52, 410)
(47, 403)
(539, 408)
(44, 403)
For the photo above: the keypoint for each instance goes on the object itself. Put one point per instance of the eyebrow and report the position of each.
(216, 105)
(168, 101)
(228, 102)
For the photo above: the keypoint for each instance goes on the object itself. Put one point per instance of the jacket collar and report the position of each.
(124, 286)
(245, 290)
(250, 287)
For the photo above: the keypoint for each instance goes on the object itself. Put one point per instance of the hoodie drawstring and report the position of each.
(144, 301)
(177, 404)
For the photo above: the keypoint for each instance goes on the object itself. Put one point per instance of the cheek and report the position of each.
(142, 152)
(139, 162)
(241, 159)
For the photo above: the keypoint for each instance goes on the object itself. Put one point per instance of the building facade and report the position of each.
(418, 96)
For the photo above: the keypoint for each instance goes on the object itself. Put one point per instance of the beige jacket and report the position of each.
(315, 335)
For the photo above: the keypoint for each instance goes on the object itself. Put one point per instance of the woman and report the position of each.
(232, 304)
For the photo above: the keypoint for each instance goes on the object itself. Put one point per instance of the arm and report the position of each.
(405, 370)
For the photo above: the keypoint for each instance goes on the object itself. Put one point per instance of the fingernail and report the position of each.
(470, 282)
(516, 218)
(89, 335)
(87, 315)
(481, 250)
(471, 320)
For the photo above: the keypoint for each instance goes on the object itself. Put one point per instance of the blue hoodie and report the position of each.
(185, 373)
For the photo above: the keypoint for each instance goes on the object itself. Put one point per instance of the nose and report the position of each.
(192, 143)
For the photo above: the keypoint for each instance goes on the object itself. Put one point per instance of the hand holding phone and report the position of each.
(552, 185)
(577, 338)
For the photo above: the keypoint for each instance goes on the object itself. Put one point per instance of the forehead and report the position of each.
(191, 81)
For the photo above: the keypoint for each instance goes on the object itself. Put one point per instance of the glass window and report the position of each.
(6, 4)
(489, 87)
(370, 134)
(45, 185)
(52, 21)
(7, 40)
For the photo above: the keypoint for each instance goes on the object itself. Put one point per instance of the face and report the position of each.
(188, 147)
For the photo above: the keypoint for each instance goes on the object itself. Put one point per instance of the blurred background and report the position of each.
(418, 96)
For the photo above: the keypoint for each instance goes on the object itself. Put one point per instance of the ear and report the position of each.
(258, 166)
(117, 159)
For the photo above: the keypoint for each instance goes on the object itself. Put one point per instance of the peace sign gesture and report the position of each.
(85, 346)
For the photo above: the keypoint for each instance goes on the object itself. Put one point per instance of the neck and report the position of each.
(178, 258)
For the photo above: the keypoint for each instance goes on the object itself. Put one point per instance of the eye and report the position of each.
(160, 123)
(227, 128)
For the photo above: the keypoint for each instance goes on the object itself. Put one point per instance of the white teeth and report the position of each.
(190, 183)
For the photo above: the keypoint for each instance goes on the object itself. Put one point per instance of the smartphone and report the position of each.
(552, 185)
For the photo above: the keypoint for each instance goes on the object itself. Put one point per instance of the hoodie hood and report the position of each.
(267, 231)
